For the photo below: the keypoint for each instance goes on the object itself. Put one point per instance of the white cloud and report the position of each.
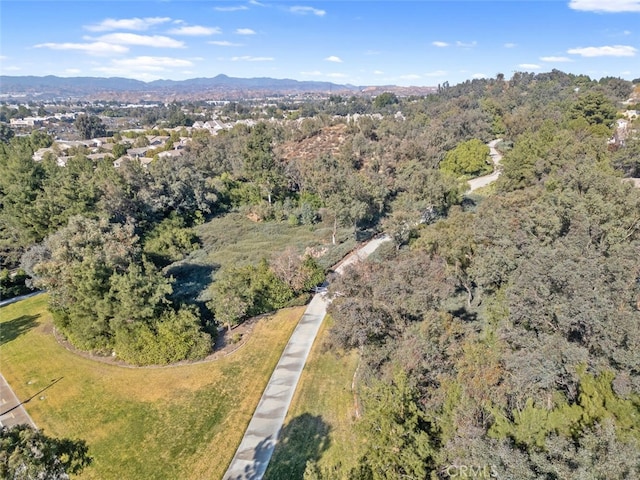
(11, 68)
(479, 75)
(127, 24)
(334, 59)
(142, 66)
(530, 66)
(410, 76)
(3, 57)
(466, 45)
(151, 63)
(606, 5)
(553, 59)
(438, 43)
(307, 10)
(510, 45)
(378, 72)
(231, 9)
(159, 41)
(437, 73)
(245, 31)
(319, 74)
(73, 71)
(94, 48)
(249, 58)
(605, 51)
(196, 30)
(224, 43)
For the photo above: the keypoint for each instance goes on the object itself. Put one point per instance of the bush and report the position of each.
(175, 337)
(13, 285)
(170, 241)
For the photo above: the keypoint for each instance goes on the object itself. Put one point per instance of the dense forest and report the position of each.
(502, 341)
(499, 330)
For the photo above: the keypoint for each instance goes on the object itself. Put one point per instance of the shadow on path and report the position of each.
(12, 329)
(304, 438)
(254, 469)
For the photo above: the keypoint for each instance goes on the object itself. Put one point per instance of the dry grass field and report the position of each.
(156, 423)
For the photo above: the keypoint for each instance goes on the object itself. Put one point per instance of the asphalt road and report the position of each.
(12, 412)
(254, 453)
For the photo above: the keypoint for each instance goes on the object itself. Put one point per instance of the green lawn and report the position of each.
(321, 422)
(177, 422)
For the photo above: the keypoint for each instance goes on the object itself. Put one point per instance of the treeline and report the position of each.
(504, 336)
(386, 171)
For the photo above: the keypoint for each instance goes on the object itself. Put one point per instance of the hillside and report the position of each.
(219, 87)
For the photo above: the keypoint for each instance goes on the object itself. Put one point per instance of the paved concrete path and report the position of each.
(255, 450)
(480, 182)
(17, 299)
(12, 412)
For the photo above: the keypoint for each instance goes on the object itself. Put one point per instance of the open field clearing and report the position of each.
(173, 422)
(234, 240)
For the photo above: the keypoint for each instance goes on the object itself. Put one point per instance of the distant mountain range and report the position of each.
(94, 87)
(221, 87)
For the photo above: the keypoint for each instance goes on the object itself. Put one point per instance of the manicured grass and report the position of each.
(140, 423)
(321, 421)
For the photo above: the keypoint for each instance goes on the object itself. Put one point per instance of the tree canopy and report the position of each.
(27, 453)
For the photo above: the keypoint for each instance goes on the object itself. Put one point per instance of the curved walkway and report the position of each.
(254, 453)
(9, 301)
(476, 183)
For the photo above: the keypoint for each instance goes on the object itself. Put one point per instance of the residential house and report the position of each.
(137, 153)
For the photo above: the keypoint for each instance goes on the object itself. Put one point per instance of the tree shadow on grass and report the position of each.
(14, 328)
(192, 279)
(303, 439)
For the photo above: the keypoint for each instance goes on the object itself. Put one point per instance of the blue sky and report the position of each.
(418, 42)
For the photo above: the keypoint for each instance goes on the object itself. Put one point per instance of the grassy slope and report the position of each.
(233, 239)
(174, 422)
(321, 422)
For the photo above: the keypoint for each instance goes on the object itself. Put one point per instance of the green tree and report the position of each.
(399, 444)
(385, 99)
(175, 336)
(27, 453)
(170, 241)
(90, 126)
(119, 149)
(260, 164)
(6, 133)
(469, 159)
(241, 292)
(231, 296)
(104, 294)
(595, 109)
